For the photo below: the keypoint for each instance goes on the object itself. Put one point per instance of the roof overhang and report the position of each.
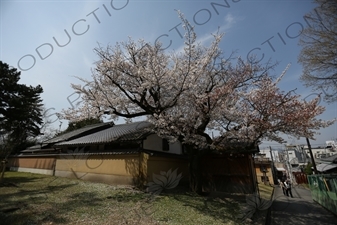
(323, 167)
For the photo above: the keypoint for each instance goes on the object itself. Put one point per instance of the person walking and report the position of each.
(282, 186)
(287, 185)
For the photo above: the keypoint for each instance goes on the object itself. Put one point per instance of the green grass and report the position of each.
(265, 191)
(27, 198)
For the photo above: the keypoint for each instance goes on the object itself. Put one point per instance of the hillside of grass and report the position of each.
(27, 198)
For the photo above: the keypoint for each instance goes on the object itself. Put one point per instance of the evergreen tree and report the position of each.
(20, 109)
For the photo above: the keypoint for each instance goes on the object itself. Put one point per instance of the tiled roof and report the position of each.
(78, 155)
(76, 133)
(329, 159)
(36, 147)
(119, 132)
(113, 152)
(39, 150)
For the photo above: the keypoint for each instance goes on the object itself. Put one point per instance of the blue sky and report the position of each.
(33, 38)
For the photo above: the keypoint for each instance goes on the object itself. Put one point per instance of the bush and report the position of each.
(307, 169)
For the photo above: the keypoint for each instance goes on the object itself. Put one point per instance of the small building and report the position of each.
(271, 154)
(127, 154)
(132, 154)
(42, 158)
(294, 155)
(320, 152)
(280, 171)
(327, 165)
(264, 170)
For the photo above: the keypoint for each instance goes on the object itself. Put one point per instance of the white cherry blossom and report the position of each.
(184, 94)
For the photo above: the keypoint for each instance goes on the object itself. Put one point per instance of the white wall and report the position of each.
(292, 156)
(154, 142)
(317, 151)
(267, 154)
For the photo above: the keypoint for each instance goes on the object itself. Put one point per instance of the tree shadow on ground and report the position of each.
(22, 194)
(17, 181)
(81, 199)
(51, 200)
(28, 218)
(130, 195)
(41, 200)
(37, 208)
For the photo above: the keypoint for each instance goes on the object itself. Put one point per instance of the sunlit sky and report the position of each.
(34, 37)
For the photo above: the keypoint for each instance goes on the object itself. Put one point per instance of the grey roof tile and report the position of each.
(76, 133)
(119, 132)
(36, 146)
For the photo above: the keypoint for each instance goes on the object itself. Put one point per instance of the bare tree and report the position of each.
(319, 49)
(47, 129)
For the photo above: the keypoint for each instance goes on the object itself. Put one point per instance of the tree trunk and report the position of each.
(197, 180)
(195, 173)
(3, 168)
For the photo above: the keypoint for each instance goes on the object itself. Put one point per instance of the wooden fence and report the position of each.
(301, 178)
(232, 173)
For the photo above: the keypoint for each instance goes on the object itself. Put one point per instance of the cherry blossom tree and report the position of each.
(186, 93)
(264, 111)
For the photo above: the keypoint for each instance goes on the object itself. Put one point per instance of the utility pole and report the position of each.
(311, 155)
(272, 165)
(289, 166)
